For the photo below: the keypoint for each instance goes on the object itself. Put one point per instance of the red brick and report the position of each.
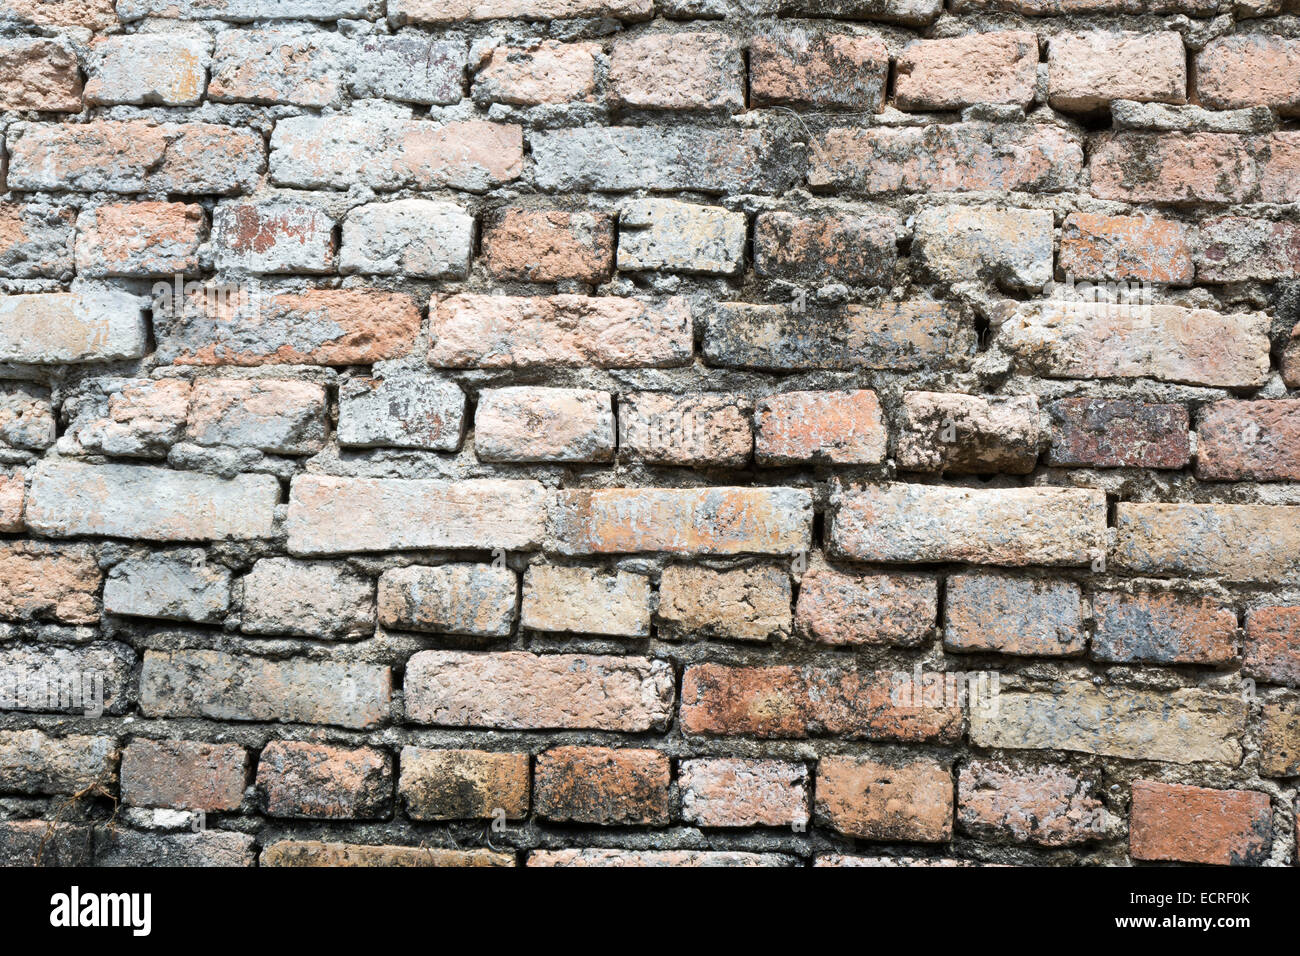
(463, 784)
(655, 858)
(841, 428)
(549, 72)
(603, 785)
(1173, 167)
(1273, 645)
(531, 423)
(156, 239)
(1249, 440)
(857, 247)
(273, 236)
(1279, 738)
(874, 800)
(1046, 806)
(13, 491)
(276, 65)
(949, 73)
(89, 14)
(1237, 248)
(707, 430)
(40, 581)
(677, 71)
(795, 68)
(1278, 161)
(548, 245)
(723, 792)
(967, 434)
(184, 775)
(1252, 69)
(1162, 627)
(39, 75)
(1197, 825)
(319, 782)
(744, 604)
(1086, 71)
(836, 607)
(1119, 248)
(1102, 433)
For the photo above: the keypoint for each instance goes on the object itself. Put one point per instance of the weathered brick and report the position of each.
(330, 515)
(836, 607)
(915, 13)
(50, 582)
(13, 494)
(463, 784)
(1251, 69)
(26, 417)
(401, 12)
(42, 843)
(118, 846)
(586, 601)
(531, 423)
(1047, 806)
(549, 72)
(184, 775)
(1279, 738)
(1121, 248)
(409, 67)
(747, 604)
(33, 762)
(1291, 359)
(273, 236)
(39, 75)
(310, 599)
(68, 499)
(602, 785)
(842, 428)
(220, 686)
(131, 417)
(410, 237)
(1196, 825)
(874, 800)
(145, 239)
(473, 599)
(851, 246)
(1249, 440)
(314, 781)
(1086, 71)
(36, 240)
(167, 69)
(967, 434)
(663, 234)
(523, 691)
(723, 792)
(277, 417)
(246, 10)
(548, 245)
(1010, 247)
(1273, 645)
(401, 412)
(655, 858)
(313, 853)
(93, 324)
(797, 68)
(88, 14)
(949, 73)
(678, 71)
(706, 430)
(1162, 627)
(1173, 167)
(175, 585)
(1011, 615)
(85, 679)
(487, 331)
(1236, 542)
(277, 65)
(1181, 726)
(1105, 433)
(683, 520)
(1238, 248)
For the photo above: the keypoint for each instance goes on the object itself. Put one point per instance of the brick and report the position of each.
(663, 234)
(1162, 627)
(132, 156)
(949, 73)
(1198, 825)
(26, 417)
(1010, 247)
(410, 237)
(818, 70)
(840, 860)
(1014, 526)
(1173, 167)
(184, 775)
(315, 327)
(1235, 542)
(70, 499)
(130, 417)
(1237, 248)
(895, 335)
(677, 71)
(273, 236)
(13, 493)
(1010, 615)
(36, 240)
(602, 785)
(1279, 738)
(336, 515)
(88, 14)
(707, 430)
(322, 152)
(39, 75)
(94, 324)
(548, 245)
(723, 792)
(874, 800)
(472, 599)
(313, 781)
(314, 853)
(309, 599)
(856, 247)
(40, 581)
(1273, 645)
(839, 428)
(836, 607)
(409, 67)
(401, 412)
(117, 846)
(523, 691)
(1249, 440)
(654, 858)
(745, 604)
(1165, 342)
(176, 586)
(245, 10)
(1087, 71)
(1252, 69)
(1064, 7)
(683, 521)
(40, 843)
(401, 12)
(277, 65)
(33, 762)
(85, 679)
(277, 417)
(1048, 806)
(486, 331)
(632, 158)
(546, 73)
(530, 423)
(1291, 359)
(166, 69)
(148, 239)
(1121, 248)
(220, 686)
(586, 601)
(463, 784)
(1181, 726)
(1101, 433)
(960, 157)
(947, 432)
(783, 701)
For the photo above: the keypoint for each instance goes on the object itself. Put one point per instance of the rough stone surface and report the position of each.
(470, 599)
(402, 412)
(748, 604)
(283, 596)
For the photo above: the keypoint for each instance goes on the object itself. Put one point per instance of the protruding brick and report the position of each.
(723, 792)
(166, 69)
(586, 601)
(1249, 69)
(967, 434)
(472, 599)
(310, 599)
(273, 236)
(836, 607)
(603, 785)
(31, 761)
(401, 412)
(1105, 433)
(532, 423)
(672, 236)
(1273, 644)
(94, 324)
(708, 430)
(39, 75)
(841, 428)
(795, 68)
(949, 73)
(1122, 248)
(548, 245)
(277, 417)
(678, 71)
(1249, 440)
(549, 72)
(1011, 615)
(1011, 247)
(1047, 806)
(748, 604)
(1162, 627)
(174, 585)
(314, 781)
(873, 800)
(184, 775)
(1236, 542)
(1197, 825)
(410, 237)
(463, 784)
(1086, 71)
(857, 247)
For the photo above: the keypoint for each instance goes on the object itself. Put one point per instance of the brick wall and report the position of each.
(571, 432)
